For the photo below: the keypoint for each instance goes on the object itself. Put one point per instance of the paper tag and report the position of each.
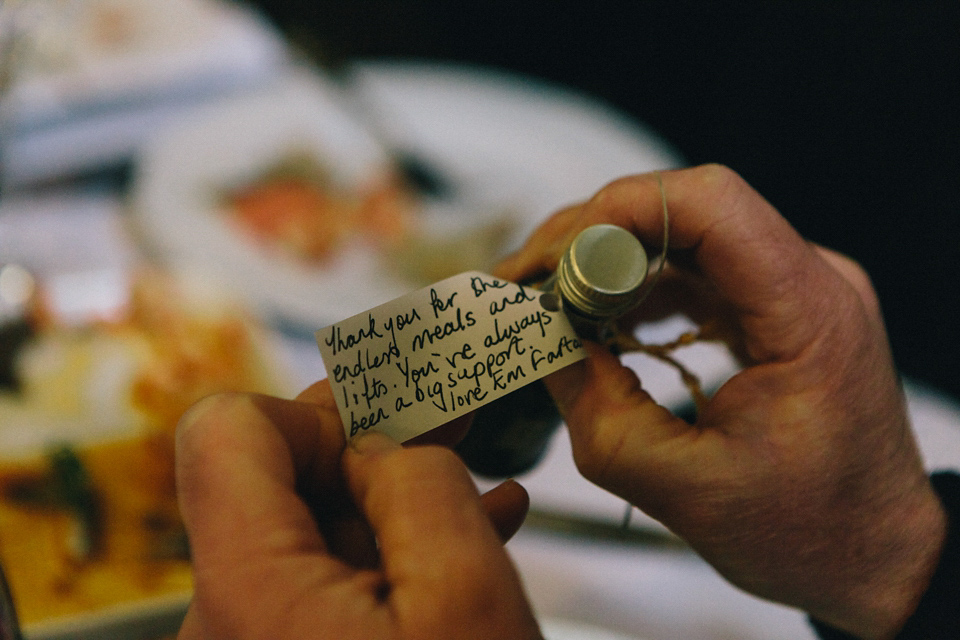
(419, 361)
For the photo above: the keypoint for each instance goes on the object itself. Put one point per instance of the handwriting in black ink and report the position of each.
(338, 342)
(538, 318)
(565, 346)
(439, 305)
(519, 298)
(466, 352)
(441, 331)
(366, 421)
(480, 286)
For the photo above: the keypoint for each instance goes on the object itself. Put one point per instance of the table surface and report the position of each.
(575, 564)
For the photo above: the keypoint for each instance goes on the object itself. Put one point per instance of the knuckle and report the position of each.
(718, 177)
(720, 185)
(861, 282)
(616, 194)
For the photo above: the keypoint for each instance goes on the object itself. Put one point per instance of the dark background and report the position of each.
(843, 114)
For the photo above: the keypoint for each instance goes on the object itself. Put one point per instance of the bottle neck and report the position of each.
(589, 327)
(599, 278)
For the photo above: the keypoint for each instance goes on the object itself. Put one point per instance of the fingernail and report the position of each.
(205, 405)
(373, 442)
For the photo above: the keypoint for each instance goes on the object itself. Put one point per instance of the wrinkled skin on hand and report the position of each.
(295, 535)
(800, 480)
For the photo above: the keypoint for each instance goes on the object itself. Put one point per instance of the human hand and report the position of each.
(296, 535)
(800, 480)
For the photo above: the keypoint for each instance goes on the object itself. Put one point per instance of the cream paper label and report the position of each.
(419, 361)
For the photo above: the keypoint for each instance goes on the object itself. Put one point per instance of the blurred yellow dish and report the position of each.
(88, 515)
(141, 550)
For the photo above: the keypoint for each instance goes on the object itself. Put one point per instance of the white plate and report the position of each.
(480, 125)
(93, 78)
(503, 139)
(86, 56)
(555, 629)
(153, 618)
(164, 617)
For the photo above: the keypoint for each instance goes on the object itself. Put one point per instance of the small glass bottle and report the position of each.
(600, 277)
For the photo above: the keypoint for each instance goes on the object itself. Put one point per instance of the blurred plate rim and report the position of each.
(532, 163)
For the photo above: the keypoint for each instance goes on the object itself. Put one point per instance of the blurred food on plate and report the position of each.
(84, 82)
(88, 529)
(69, 55)
(298, 209)
(433, 253)
(291, 201)
(88, 515)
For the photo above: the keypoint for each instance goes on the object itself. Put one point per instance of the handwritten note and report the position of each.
(423, 359)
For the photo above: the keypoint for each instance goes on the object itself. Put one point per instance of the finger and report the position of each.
(541, 251)
(609, 416)
(506, 505)
(677, 291)
(440, 553)
(319, 393)
(346, 531)
(239, 458)
(446, 435)
(191, 628)
(758, 263)
(853, 273)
